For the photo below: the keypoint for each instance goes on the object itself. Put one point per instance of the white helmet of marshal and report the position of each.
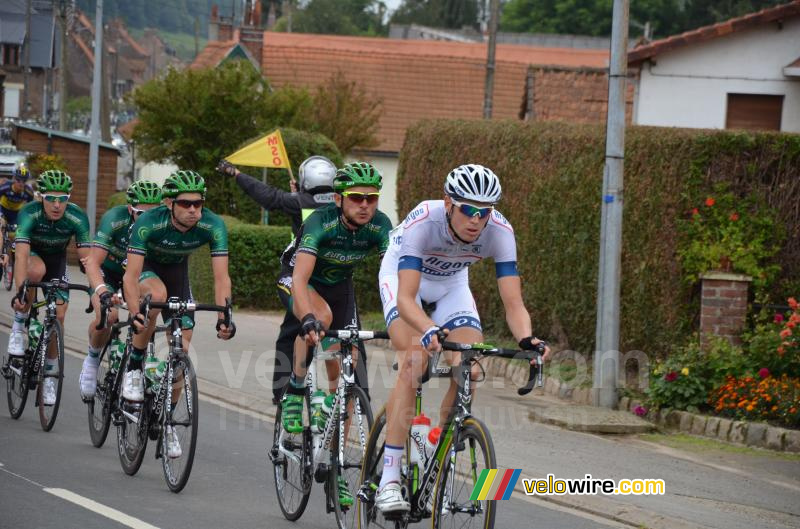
(473, 182)
(317, 172)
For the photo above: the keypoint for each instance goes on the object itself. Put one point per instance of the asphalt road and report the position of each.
(58, 479)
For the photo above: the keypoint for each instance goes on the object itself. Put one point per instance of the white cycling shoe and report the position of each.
(49, 391)
(390, 499)
(16, 343)
(173, 444)
(88, 379)
(133, 386)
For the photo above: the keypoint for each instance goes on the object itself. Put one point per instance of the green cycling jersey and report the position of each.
(154, 236)
(337, 248)
(48, 237)
(112, 235)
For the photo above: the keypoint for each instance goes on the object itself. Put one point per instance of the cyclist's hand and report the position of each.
(19, 305)
(226, 168)
(430, 340)
(225, 332)
(138, 322)
(311, 330)
(106, 299)
(293, 186)
(533, 344)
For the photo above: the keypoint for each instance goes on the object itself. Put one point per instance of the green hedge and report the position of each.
(254, 266)
(552, 180)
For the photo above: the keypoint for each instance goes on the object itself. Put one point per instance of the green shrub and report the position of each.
(117, 199)
(254, 266)
(552, 179)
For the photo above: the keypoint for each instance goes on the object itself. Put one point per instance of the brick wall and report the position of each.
(723, 306)
(253, 40)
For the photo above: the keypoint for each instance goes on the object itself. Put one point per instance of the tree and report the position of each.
(339, 17)
(593, 17)
(453, 14)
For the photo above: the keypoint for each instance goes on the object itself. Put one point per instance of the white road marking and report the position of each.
(99, 508)
(20, 477)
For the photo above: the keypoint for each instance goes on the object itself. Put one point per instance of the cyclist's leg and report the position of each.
(35, 272)
(284, 353)
(87, 380)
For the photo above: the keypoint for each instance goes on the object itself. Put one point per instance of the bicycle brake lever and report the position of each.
(534, 376)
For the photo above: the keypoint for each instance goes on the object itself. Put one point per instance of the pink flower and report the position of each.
(695, 212)
(763, 372)
(672, 376)
(640, 411)
(778, 318)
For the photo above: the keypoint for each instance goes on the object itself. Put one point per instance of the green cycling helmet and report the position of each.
(357, 174)
(54, 180)
(144, 192)
(183, 182)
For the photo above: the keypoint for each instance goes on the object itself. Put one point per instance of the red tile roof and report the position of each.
(414, 79)
(212, 54)
(705, 33)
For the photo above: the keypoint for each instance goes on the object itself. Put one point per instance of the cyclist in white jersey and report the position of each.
(427, 261)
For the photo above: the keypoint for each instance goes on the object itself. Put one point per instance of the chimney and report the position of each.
(253, 40)
(213, 23)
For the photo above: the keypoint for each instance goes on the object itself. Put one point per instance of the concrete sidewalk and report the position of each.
(714, 488)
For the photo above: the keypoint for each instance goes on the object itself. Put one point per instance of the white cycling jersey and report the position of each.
(423, 242)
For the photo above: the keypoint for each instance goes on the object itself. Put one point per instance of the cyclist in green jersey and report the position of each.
(107, 259)
(317, 280)
(160, 243)
(44, 229)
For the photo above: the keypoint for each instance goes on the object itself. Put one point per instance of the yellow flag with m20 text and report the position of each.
(267, 151)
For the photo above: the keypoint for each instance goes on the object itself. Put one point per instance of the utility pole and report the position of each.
(606, 357)
(27, 72)
(62, 69)
(490, 65)
(94, 148)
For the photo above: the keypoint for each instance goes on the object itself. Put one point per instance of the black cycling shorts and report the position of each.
(176, 279)
(341, 298)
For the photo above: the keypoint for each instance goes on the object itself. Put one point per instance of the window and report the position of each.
(754, 112)
(10, 54)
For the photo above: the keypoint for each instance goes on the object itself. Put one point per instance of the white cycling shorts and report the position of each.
(454, 304)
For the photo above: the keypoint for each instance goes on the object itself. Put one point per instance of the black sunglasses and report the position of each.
(186, 204)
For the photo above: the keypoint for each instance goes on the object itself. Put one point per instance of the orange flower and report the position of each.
(792, 303)
(750, 408)
(792, 410)
(786, 333)
(710, 202)
(734, 216)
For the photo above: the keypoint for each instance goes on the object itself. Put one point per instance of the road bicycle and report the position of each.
(28, 372)
(169, 405)
(338, 450)
(7, 271)
(441, 486)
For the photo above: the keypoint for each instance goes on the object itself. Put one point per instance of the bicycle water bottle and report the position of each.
(161, 369)
(150, 366)
(431, 440)
(420, 427)
(116, 351)
(317, 420)
(34, 332)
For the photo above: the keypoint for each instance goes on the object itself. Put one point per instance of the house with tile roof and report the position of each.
(425, 79)
(743, 73)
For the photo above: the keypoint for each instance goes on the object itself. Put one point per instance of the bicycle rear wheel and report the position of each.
(132, 420)
(48, 413)
(452, 506)
(183, 418)
(368, 516)
(291, 459)
(17, 375)
(100, 406)
(359, 416)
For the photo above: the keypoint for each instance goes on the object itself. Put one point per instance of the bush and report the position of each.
(774, 344)
(254, 266)
(552, 177)
(119, 198)
(771, 399)
(44, 162)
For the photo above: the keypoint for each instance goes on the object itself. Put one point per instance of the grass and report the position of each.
(699, 444)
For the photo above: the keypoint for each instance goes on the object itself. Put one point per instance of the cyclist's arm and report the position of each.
(517, 317)
(222, 281)
(96, 256)
(301, 299)
(22, 252)
(92, 274)
(130, 281)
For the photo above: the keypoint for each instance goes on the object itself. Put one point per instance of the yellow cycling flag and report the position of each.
(264, 152)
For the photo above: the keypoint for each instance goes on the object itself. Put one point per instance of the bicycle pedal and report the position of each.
(321, 473)
(366, 492)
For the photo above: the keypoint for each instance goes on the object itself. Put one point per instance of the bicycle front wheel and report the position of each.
(291, 460)
(100, 406)
(182, 420)
(48, 409)
(357, 424)
(452, 506)
(17, 375)
(368, 516)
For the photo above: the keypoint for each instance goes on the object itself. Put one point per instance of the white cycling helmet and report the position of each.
(317, 172)
(473, 182)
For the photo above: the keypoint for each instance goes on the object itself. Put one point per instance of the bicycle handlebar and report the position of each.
(356, 334)
(59, 284)
(184, 306)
